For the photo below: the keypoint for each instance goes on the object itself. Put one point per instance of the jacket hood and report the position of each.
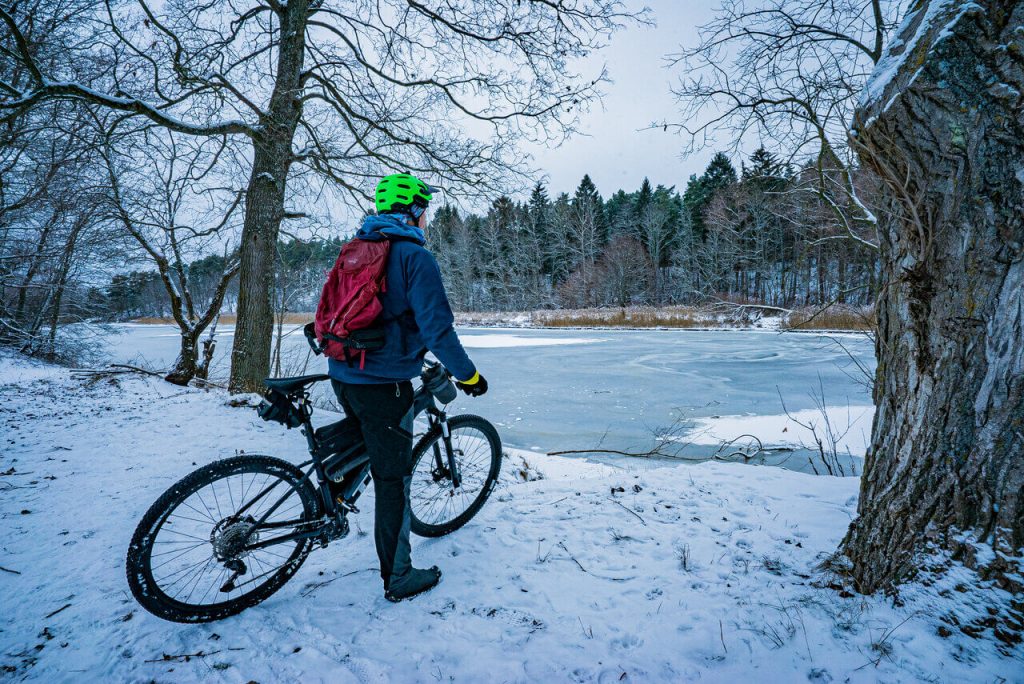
(381, 226)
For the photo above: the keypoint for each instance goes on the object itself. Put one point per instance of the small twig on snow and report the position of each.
(313, 586)
(62, 608)
(631, 511)
(562, 544)
(580, 566)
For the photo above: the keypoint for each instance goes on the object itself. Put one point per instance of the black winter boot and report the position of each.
(415, 581)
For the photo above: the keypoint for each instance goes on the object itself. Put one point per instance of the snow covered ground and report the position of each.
(591, 574)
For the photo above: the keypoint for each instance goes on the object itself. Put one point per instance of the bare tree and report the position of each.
(49, 225)
(164, 209)
(788, 73)
(301, 270)
(46, 221)
(343, 90)
(942, 126)
(623, 272)
(451, 242)
(659, 232)
(584, 239)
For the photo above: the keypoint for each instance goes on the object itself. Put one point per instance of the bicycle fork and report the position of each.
(446, 437)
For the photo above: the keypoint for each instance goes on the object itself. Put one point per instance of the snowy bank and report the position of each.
(847, 429)
(598, 574)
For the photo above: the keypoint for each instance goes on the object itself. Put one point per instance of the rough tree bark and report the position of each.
(943, 127)
(264, 207)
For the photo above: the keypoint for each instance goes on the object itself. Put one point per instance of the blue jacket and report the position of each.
(416, 316)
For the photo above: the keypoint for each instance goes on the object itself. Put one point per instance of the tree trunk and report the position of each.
(66, 262)
(34, 264)
(188, 357)
(841, 297)
(946, 136)
(188, 365)
(264, 208)
(210, 343)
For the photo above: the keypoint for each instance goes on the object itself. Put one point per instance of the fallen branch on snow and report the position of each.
(580, 566)
(61, 609)
(113, 370)
(186, 657)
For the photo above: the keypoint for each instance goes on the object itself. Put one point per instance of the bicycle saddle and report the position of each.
(289, 385)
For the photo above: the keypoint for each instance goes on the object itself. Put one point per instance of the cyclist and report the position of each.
(377, 392)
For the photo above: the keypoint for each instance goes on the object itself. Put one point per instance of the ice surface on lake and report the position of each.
(492, 341)
(561, 390)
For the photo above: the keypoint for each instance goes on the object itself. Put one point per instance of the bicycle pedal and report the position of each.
(345, 505)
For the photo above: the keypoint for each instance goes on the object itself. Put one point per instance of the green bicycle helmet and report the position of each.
(402, 192)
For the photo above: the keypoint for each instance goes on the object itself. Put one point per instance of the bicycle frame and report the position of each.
(358, 462)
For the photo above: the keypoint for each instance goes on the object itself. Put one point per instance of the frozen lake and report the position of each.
(553, 390)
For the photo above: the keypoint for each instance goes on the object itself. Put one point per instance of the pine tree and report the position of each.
(643, 202)
(587, 200)
(586, 238)
(539, 201)
(541, 224)
(618, 213)
(719, 174)
(763, 164)
(441, 226)
(561, 224)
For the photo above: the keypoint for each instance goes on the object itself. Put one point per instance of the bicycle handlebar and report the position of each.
(309, 330)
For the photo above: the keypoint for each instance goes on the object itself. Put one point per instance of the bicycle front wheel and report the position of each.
(440, 505)
(208, 548)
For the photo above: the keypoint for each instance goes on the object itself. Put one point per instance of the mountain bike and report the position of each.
(233, 532)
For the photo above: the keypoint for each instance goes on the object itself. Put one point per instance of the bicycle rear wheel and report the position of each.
(190, 559)
(438, 506)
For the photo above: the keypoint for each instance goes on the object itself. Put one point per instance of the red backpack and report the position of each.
(348, 304)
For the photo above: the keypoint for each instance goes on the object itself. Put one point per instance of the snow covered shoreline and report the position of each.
(589, 573)
(835, 319)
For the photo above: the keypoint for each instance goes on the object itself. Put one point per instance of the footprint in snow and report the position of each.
(627, 642)
(367, 671)
(511, 617)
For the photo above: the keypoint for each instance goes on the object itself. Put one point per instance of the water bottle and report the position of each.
(436, 380)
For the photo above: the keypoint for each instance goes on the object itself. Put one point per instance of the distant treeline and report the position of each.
(300, 268)
(761, 235)
(753, 236)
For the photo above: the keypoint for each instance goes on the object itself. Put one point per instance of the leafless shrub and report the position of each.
(524, 471)
(827, 437)
(683, 553)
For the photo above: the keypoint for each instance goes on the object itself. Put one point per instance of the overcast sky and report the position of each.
(614, 150)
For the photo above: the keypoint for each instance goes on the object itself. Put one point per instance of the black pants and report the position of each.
(384, 414)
